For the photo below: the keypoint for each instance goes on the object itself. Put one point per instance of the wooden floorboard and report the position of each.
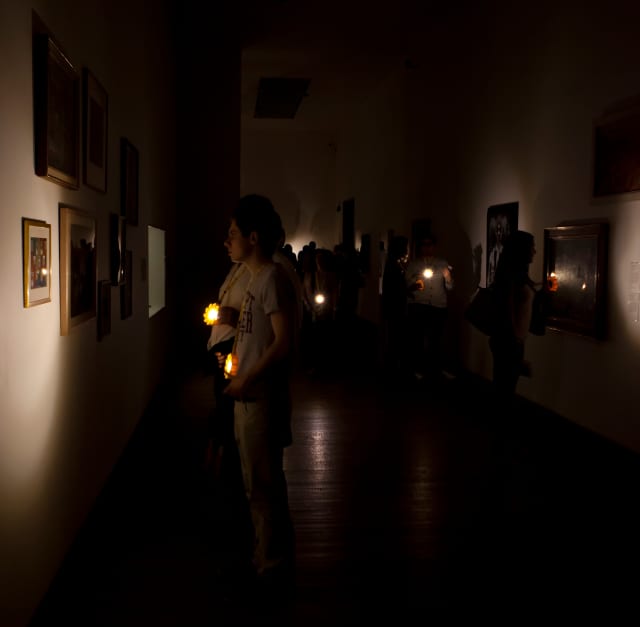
(407, 501)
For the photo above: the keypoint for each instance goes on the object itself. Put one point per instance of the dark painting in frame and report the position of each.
(78, 264)
(126, 290)
(56, 108)
(616, 152)
(117, 247)
(502, 221)
(95, 129)
(104, 309)
(129, 173)
(575, 267)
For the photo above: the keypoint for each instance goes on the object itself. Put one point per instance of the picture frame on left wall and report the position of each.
(56, 109)
(78, 267)
(36, 265)
(95, 124)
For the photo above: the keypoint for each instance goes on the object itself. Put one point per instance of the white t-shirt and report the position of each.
(231, 294)
(268, 291)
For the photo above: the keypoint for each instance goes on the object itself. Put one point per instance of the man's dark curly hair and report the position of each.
(256, 213)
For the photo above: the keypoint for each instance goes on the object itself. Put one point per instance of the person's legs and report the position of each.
(265, 486)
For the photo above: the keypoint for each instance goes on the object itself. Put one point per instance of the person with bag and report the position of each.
(515, 293)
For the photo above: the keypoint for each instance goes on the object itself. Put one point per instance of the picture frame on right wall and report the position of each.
(502, 221)
(129, 174)
(575, 268)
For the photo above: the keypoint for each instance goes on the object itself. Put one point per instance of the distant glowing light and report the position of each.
(428, 273)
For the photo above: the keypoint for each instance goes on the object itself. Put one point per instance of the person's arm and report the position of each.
(278, 350)
(448, 277)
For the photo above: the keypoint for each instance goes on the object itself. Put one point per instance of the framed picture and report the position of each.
(117, 246)
(56, 91)
(104, 309)
(502, 220)
(616, 152)
(126, 290)
(129, 170)
(575, 266)
(95, 121)
(78, 250)
(36, 262)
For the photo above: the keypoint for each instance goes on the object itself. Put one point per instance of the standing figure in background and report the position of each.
(394, 305)
(515, 292)
(428, 279)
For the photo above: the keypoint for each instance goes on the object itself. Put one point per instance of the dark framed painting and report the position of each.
(117, 247)
(129, 172)
(95, 123)
(616, 152)
(126, 290)
(502, 221)
(575, 268)
(56, 107)
(78, 264)
(36, 262)
(104, 309)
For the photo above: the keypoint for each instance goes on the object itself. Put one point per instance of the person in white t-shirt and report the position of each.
(262, 354)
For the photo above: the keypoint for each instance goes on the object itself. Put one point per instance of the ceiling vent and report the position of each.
(280, 97)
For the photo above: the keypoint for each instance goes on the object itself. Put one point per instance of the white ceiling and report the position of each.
(345, 48)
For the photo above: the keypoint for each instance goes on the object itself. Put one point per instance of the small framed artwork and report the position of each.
(78, 250)
(117, 246)
(56, 91)
(104, 309)
(502, 220)
(616, 152)
(129, 171)
(575, 266)
(36, 263)
(94, 128)
(126, 290)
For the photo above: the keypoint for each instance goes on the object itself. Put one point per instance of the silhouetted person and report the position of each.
(428, 279)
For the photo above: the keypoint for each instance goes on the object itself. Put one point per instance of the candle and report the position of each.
(211, 314)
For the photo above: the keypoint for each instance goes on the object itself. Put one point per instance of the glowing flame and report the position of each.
(319, 299)
(211, 314)
(231, 365)
(428, 273)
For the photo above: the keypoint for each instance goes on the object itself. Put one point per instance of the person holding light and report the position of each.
(429, 280)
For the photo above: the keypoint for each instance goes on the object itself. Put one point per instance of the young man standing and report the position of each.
(262, 353)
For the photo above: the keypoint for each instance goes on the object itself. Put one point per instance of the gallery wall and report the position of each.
(68, 404)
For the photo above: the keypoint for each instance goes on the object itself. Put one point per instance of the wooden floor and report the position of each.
(409, 504)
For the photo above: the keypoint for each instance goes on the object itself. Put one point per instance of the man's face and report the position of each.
(237, 245)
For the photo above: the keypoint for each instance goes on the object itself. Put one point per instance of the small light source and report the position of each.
(584, 286)
(319, 298)
(552, 282)
(211, 314)
(428, 273)
(230, 366)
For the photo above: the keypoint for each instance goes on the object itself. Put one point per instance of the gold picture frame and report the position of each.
(78, 264)
(36, 263)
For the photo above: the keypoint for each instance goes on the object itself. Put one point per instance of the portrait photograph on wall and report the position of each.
(502, 221)
(78, 264)
(36, 266)
(575, 267)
